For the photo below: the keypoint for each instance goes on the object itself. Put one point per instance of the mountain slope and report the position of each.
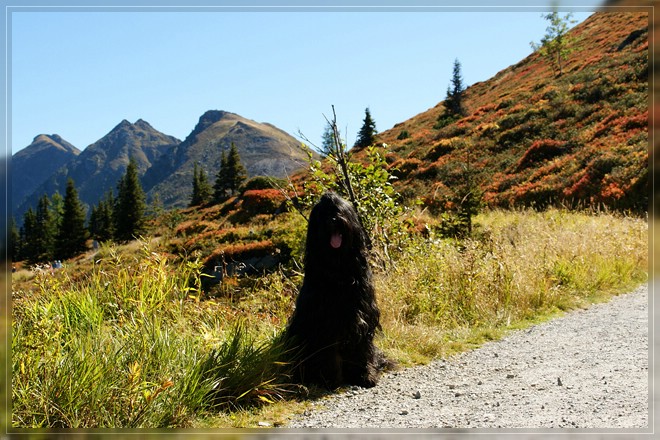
(530, 138)
(100, 166)
(31, 166)
(263, 148)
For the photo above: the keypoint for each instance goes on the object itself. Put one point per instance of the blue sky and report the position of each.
(79, 73)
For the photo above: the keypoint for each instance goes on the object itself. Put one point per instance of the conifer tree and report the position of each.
(57, 207)
(72, 234)
(205, 190)
(230, 176)
(28, 233)
(454, 99)
(45, 231)
(101, 226)
(220, 186)
(367, 134)
(236, 173)
(194, 198)
(130, 205)
(14, 241)
(92, 224)
(201, 187)
(453, 103)
(328, 146)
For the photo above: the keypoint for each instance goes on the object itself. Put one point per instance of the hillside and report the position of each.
(264, 150)
(32, 165)
(530, 138)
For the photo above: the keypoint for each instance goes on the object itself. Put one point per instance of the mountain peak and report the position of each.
(32, 165)
(213, 116)
(141, 123)
(53, 141)
(125, 125)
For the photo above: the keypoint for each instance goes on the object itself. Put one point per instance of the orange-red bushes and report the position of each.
(486, 109)
(543, 149)
(635, 121)
(242, 251)
(403, 167)
(191, 227)
(439, 199)
(391, 157)
(443, 147)
(262, 201)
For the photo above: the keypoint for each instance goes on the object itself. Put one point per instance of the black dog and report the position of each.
(336, 316)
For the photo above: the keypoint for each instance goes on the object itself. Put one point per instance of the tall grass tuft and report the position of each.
(245, 371)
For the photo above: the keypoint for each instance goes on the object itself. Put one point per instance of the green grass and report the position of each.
(128, 339)
(129, 345)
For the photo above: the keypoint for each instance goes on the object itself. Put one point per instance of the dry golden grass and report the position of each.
(443, 296)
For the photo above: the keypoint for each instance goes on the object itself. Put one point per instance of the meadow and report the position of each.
(126, 337)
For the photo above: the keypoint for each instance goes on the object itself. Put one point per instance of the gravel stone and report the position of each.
(598, 356)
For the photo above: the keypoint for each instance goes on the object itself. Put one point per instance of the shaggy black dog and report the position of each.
(336, 316)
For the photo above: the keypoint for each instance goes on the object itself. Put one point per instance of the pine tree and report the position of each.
(130, 205)
(45, 231)
(453, 103)
(220, 186)
(454, 99)
(367, 134)
(230, 176)
(201, 188)
(468, 193)
(72, 234)
(28, 234)
(101, 226)
(328, 145)
(236, 173)
(204, 187)
(57, 207)
(14, 240)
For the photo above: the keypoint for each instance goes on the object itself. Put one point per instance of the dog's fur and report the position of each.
(336, 315)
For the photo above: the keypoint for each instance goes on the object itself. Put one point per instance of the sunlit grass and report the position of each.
(519, 267)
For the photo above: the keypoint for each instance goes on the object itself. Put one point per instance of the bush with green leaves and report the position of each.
(378, 204)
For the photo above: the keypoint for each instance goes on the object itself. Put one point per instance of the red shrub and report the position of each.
(193, 227)
(242, 251)
(262, 201)
(403, 167)
(540, 150)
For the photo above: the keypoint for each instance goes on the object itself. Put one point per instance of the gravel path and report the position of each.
(587, 369)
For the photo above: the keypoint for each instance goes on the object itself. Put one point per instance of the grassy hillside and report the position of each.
(536, 139)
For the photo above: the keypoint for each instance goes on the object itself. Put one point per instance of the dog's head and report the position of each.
(334, 228)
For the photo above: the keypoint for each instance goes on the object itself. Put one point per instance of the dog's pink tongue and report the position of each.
(335, 240)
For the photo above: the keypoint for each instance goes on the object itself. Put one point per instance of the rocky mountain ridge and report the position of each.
(165, 163)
